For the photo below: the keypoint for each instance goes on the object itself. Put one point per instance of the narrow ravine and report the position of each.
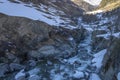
(72, 68)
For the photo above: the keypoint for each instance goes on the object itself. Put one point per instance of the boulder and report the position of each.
(44, 51)
(111, 61)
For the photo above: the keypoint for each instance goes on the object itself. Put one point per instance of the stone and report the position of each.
(10, 56)
(15, 66)
(44, 51)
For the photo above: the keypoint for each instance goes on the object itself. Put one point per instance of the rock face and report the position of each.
(22, 40)
(111, 63)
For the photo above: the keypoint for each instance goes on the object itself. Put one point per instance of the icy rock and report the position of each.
(20, 75)
(78, 74)
(34, 71)
(118, 76)
(98, 58)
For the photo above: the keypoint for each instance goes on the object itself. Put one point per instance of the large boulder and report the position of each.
(111, 62)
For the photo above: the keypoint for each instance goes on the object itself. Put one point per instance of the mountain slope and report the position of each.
(51, 12)
(109, 4)
(84, 5)
(54, 40)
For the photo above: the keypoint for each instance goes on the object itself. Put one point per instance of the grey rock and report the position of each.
(44, 51)
(15, 66)
(111, 61)
(47, 50)
(10, 56)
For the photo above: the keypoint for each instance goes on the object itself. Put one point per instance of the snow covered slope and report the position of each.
(93, 2)
(41, 12)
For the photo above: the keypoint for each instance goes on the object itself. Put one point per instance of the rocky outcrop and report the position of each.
(111, 62)
(23, 41)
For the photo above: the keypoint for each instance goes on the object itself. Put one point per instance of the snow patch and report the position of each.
(93, 2)
(118, 76)
(94, 12)
(94, 77)
(57, 77)
(19, 74)
(49, 15)
(34, 72)
(106, 36)
(78, 75)
(98, 58)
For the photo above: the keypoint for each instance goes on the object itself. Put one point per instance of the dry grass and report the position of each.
(111, 6)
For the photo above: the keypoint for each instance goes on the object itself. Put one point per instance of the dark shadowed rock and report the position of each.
(111, 62)
(3, 69)
(15, 66)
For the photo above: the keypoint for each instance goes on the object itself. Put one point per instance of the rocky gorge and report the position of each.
(36, 50)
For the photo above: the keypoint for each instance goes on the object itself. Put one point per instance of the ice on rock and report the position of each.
(118, 76)
(98, 58)
(19, 74)
(78, 74)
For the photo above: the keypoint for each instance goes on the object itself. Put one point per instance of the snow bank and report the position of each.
(94, 12)
(106, 36)
(49, 15)
(93, 2)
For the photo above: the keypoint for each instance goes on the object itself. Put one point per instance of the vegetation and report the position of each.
(108, 5)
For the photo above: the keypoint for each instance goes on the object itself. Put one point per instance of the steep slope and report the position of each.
(109, 4)
(105, 6)
(84, 5)
(51, 12)
(44, 40)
